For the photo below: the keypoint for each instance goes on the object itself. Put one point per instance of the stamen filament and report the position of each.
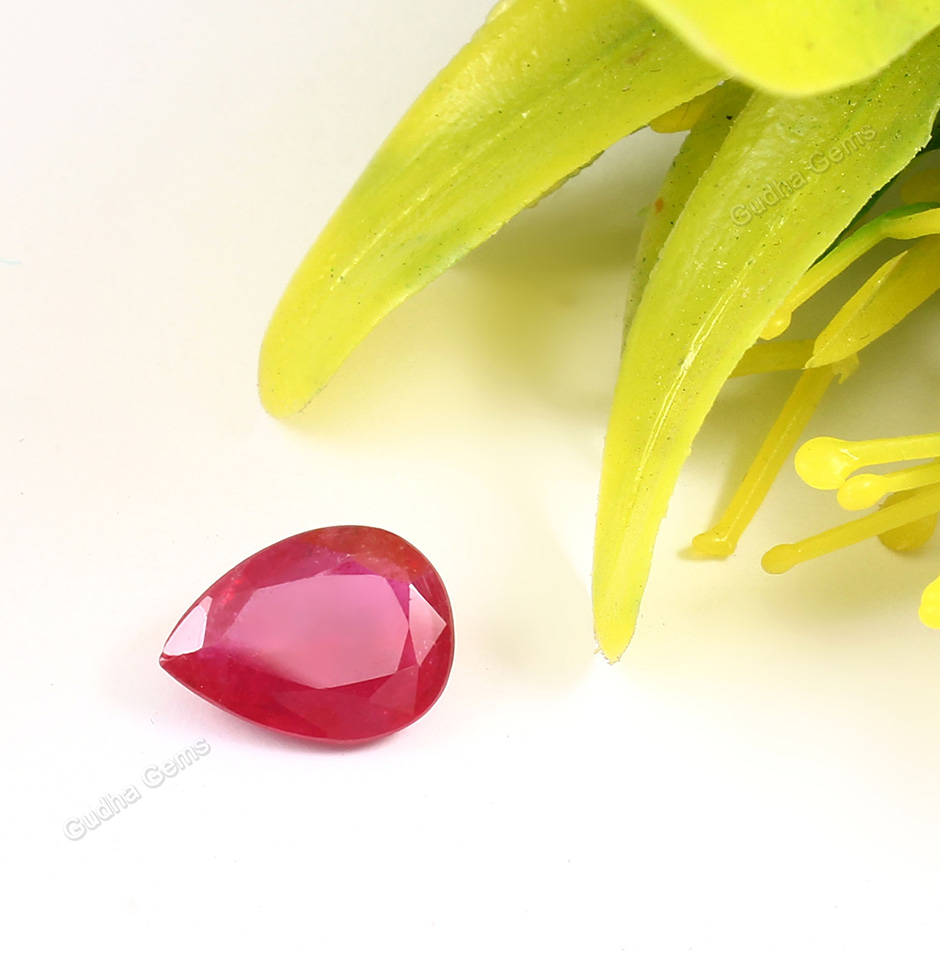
(722, 539)
(784, 556)
(903, 223)
(826, 462)
(896, 289)
(909, 536)
(865, 489)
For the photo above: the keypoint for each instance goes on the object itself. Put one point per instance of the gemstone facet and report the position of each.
(339, 634)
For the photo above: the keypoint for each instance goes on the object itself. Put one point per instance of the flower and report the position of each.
(800, 114)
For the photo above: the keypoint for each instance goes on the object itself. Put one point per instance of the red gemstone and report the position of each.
(337, 634)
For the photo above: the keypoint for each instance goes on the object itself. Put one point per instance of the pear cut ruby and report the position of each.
(339, 634)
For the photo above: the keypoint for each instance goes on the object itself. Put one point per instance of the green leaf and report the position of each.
(803, 47)
(540, 90)
(723, 270)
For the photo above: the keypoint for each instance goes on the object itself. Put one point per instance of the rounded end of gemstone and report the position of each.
(341, 635)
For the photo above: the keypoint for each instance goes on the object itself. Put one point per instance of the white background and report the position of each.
(758, 777)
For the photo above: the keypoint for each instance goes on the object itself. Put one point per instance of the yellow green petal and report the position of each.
(720, 275)
(802, 47)
(540, 90)
(692, 160)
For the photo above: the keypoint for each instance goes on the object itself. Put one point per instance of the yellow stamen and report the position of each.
(903, 223)
(721, 539)
(773, 356)
(888, 296)
(685, 116)
(826, 462)
(921, 504)
(909, 536)
(865, 489)
(929, 611)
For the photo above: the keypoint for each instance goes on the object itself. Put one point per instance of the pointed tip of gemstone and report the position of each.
(341, 634)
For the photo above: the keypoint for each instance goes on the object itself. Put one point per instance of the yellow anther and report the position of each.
(929, 611)
(779, 322)
(721, 539)
(904, 223)
(783, 557)
(896, 289)
(685, 116)
(920, 504)
(908, 536)
(921, 187)
(865, 489)
(826, 462)
(773, 356)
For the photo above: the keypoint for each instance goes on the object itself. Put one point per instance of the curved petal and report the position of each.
(696, 153)
(807, 47)
(540, 90)
(789, 176)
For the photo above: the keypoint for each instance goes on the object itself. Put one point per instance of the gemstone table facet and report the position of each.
(340, 634)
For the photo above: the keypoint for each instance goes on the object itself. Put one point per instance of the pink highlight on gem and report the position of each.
(339, 634)
(189, 636)
(426, 625)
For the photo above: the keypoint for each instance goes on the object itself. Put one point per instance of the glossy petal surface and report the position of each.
(719, 278)
(338, 634)
(538, 93)
(808, 47)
